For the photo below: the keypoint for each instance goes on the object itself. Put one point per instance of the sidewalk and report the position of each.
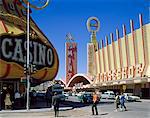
(135, 109)
(35, 110)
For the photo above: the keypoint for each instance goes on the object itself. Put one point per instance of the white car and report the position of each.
(108, 95)
(66, 95)
(131, 97)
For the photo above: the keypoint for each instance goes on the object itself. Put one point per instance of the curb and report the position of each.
(35, 110)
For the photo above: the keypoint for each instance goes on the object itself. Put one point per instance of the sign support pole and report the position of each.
(28, 58)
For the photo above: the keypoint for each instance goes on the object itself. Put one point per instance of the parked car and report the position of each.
(86, 97)
(131, 97)
(66, 94)
(41, 94)
(62, 97)
(108, 95)
(79, 94)
(73, 94)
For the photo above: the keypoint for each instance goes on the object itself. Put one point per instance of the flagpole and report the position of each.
(28, 66)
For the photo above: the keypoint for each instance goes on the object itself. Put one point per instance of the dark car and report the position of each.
(86, 98)
(41, 95)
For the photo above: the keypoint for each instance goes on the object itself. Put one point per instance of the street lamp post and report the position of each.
(42, 4)
(28, 58)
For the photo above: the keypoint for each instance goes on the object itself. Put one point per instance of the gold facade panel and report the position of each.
(131, 50)
(117, 54)
(111, 55)
(102, 61)
(106, 59)
(147, 42)
(97, 62)
(123, 54)
(139, 42)
(146, 33)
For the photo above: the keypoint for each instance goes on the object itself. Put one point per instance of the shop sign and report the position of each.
(13, 49)
(123, 73)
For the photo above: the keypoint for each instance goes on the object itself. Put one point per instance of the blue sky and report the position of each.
(63, 16)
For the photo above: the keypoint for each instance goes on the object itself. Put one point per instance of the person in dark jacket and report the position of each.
(55, 102)
(49, 97)
(117, 101)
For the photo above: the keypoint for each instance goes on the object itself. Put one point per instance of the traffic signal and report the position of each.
(25, 68)
(33, 68)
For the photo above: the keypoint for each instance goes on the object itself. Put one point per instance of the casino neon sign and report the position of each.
(13, 48)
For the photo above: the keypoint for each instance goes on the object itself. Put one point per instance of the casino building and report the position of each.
(121, 65)
(13, 49)
(124, 64)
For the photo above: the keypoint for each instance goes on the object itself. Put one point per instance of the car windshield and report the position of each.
(112, 94)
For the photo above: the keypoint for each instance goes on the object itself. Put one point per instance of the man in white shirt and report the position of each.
(17, 100)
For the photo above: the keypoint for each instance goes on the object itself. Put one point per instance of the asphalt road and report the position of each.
(106, 110)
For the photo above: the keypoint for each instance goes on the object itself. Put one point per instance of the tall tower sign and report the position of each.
(71, 57)
(93, 26)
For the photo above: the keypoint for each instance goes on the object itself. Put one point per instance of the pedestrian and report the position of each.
(55, 102)
(33, 96)
(3, 95)
(122, 102)
(8, 103)
(117, 101)
(95, 102)
(49, 97)
(17, 102)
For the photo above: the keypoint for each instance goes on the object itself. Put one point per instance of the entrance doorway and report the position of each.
(6, 87)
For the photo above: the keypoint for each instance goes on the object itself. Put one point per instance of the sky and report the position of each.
(63, 16)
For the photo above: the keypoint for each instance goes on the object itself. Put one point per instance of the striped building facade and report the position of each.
(124, 64)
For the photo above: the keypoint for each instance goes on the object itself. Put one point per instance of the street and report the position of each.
(105, 109)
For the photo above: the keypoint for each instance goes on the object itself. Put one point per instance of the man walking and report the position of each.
(122, 101)
(55, 102)
(117, 101)
(49, 97)
(95, 101)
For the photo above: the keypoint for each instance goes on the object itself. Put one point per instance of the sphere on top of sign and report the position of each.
(93, 24)
(37, 4)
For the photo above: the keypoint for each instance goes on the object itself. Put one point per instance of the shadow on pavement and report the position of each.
(62, 116)
(65, 105)
(104, 114)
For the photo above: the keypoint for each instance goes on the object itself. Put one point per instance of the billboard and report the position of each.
(13, 45)
(71, 60)
(13, 57)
